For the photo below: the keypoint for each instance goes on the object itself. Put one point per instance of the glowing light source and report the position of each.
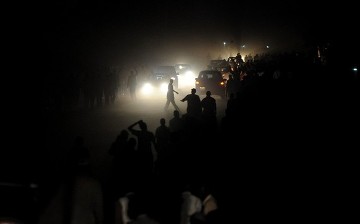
(355, 69)
(147, 89)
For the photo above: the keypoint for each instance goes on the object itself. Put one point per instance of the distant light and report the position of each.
(224, 43)
(181, 67)
(243, 46)
(147, 89)
(267, 46)
(355, 69)
(186, 80)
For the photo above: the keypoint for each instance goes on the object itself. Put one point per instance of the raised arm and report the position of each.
(185, 99)
(131, 127)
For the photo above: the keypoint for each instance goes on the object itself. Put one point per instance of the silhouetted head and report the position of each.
(193, 90)
(208, 93)
(162, 121)
(143, 126)
(171, 80)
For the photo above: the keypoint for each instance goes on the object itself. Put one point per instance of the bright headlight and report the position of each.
(147, 89)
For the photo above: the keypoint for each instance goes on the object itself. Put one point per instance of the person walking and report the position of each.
(170, 96)
(132, 84)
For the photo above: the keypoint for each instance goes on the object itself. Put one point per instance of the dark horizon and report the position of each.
(152, 31)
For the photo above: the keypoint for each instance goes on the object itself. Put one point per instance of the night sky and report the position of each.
(176, 31)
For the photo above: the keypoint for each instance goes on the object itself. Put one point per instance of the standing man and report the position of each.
(208, 105)
(170, 96)
(194, 104)
(131, 84)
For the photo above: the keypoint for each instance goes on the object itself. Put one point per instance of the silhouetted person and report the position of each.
(170, 96)
(176, 124)
(121, 210)
(78, 200)
(209, 105)
(162, 135)
(146, 140)
(132, 83)
(139, 210)
(231, 105)
(162, 139)
(193, 104)
(239, 59)
(209, 213)
(230, 86)
(118, 147)
(209, 112)
(123, 158)
(190, 205)
(131, 161)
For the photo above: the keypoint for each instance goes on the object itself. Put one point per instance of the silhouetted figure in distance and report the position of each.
(170, 96)
(132, 83)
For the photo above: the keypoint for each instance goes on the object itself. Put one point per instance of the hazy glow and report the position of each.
(355, 69)
(147, 89)
(163, 87)
(187, 80)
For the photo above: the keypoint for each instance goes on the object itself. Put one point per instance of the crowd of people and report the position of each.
(255, 161)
